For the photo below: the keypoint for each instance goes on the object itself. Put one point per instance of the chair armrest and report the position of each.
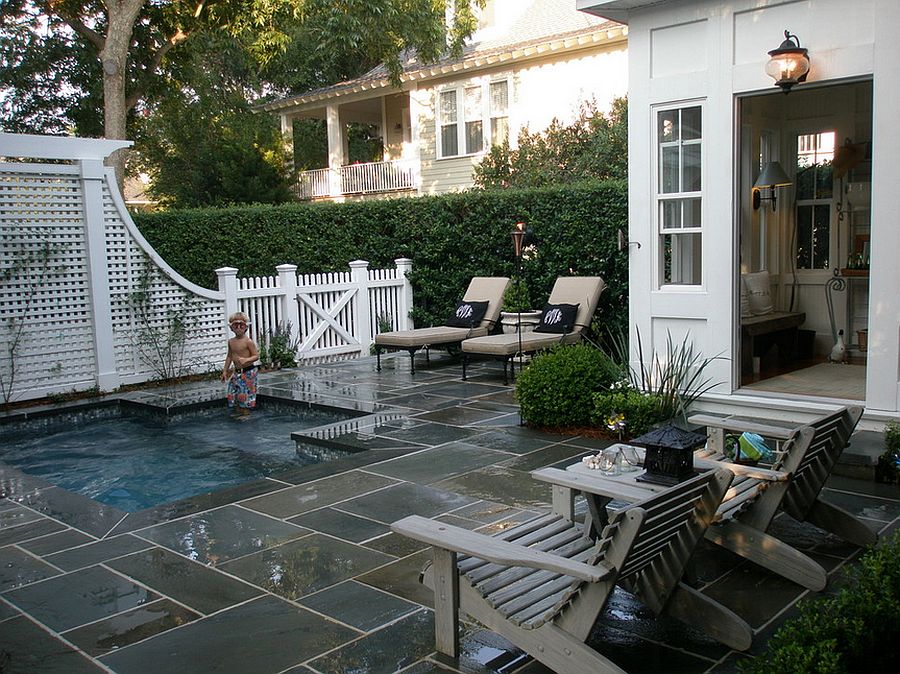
(742, 470)
(457, 539)
(741, 425)
(618, 491)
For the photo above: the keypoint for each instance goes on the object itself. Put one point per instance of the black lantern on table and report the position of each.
(669, 455)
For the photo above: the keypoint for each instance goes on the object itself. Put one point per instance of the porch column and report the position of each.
(335, 149)
(287, 135)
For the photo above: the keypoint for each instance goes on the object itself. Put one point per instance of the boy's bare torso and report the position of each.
(241, 351)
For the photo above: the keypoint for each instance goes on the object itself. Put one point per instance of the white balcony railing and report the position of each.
(368, 178)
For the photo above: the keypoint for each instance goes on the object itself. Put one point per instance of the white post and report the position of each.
(335, 150)
(363, 330)
(228, 285)
(287, 279)
(93, 173)
(405, 301)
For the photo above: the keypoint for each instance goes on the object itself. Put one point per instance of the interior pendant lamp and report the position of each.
(789, 64)
(770, 177)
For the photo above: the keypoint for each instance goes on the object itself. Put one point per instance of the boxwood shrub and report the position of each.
(450, 238)
(557, 388)
(641, 410)
(855, 631)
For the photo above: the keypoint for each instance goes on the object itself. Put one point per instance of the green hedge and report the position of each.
(855, 631)
(450, 238)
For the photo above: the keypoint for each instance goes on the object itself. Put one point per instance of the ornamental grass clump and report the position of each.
(855, 631)
(557, 388)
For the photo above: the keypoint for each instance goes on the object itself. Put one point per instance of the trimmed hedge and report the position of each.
(450, 238)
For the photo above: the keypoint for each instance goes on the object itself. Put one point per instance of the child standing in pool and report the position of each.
(242, 356)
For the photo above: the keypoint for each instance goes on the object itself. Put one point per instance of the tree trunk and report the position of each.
(121, 15)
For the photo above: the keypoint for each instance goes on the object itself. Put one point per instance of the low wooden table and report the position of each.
(624, 487)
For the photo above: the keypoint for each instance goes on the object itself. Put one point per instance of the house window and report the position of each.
(815, 190)
(679, 195)
(484, 120)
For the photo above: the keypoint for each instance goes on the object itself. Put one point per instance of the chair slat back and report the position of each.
(832, 434)
(675, 521)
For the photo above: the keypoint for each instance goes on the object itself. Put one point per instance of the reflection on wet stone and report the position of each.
(304, 566)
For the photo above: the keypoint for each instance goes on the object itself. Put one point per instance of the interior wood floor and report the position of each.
(814, 378)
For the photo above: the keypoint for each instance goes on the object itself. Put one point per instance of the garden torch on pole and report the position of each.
(519, 236)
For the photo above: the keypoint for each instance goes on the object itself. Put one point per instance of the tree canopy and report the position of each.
(594, 146)
(116, 56)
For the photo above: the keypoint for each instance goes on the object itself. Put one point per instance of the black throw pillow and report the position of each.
(468, 314)
(558, 318)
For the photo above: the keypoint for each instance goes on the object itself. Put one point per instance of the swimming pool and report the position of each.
(134, 461)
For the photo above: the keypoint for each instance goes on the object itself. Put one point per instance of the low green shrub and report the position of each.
(641, 411)
(855, 631)
(888, 466)
(557, 388)
(277, 349)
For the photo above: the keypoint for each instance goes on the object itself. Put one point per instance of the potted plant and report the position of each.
(516, 310)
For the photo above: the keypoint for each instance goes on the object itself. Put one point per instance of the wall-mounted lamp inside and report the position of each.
(772, 176)
(789, 64)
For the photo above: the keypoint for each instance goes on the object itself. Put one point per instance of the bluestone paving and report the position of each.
(299, 572)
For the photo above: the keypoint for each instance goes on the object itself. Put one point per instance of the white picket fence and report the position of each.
(332, 315)
(85, 301)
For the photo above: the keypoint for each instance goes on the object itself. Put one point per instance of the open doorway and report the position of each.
(805, 174)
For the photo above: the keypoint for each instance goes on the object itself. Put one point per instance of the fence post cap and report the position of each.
(227, 271)
(403, 261)
(286, 267)
(359, 263)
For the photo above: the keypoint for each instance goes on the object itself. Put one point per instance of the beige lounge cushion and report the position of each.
(508, 345)
(481, 288)
(584, 291)
(581, 290)
(407, 339)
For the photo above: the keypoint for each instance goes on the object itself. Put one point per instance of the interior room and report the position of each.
(804, 176)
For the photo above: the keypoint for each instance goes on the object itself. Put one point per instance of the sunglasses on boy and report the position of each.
(238, 324)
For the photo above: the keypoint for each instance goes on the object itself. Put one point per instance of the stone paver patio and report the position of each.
(299, 572)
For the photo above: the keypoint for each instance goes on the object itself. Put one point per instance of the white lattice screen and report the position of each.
(45, 303)
(62, 329)
(132, 272)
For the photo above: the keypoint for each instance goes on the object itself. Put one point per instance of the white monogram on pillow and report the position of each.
(553, 317)
(464, 311)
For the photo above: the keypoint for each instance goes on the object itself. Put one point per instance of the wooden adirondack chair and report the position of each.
(543, 584)
(802, 499)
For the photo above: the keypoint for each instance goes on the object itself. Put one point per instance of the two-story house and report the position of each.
(529, 62)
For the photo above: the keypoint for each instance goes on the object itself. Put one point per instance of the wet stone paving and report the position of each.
(299, 572)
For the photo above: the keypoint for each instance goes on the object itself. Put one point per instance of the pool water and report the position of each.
(134, 462)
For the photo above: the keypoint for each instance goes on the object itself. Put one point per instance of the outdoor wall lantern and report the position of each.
(772, 176)
(669, 455)
(789, 64)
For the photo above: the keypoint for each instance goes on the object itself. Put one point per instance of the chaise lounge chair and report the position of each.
(543, 584)
(583, 291)
(481, 289)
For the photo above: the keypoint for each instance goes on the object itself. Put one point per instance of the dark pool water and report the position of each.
(135, 462)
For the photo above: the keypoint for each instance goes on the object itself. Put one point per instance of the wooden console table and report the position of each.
(760, 333)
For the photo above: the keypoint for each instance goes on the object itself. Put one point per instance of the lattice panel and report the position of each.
(45, 309)
(141, 334)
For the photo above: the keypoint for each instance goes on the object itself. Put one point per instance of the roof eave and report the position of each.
(473, 63)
